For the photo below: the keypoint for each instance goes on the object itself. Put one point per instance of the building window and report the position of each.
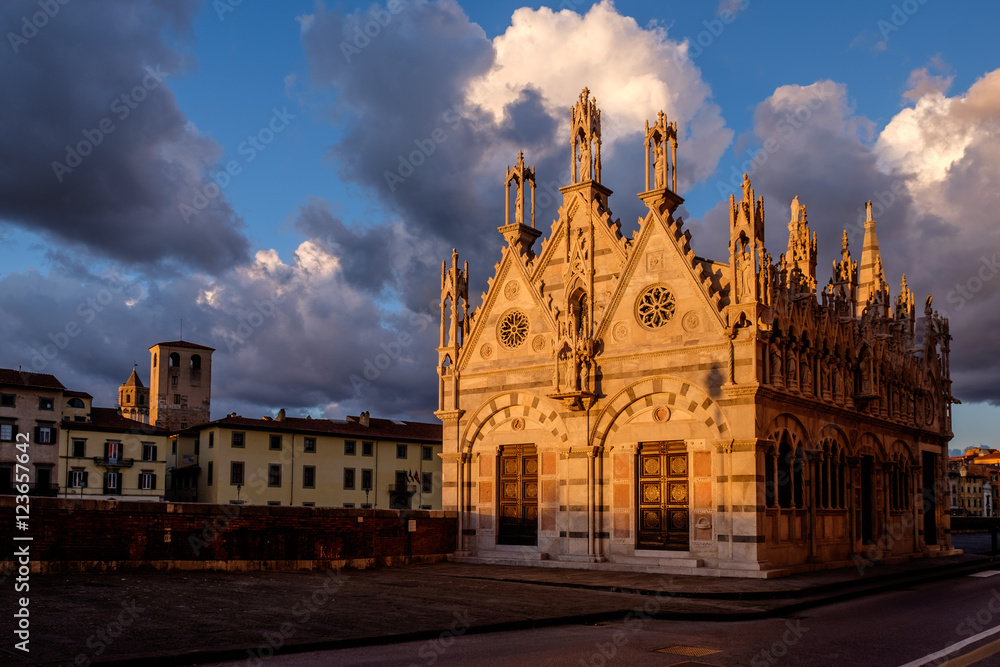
(149, 452)
(211, 440)
(79, 448)
(210, 473)
(400, 451)
(45, 403)
(147, 481)
(349, 505)
(348, 478)
(78, 478)
(173, 380)
(8, 432)
(402, 479)
(310, 445)
(367, 448)
(274, 474)
(366, 479)
(275, 441)
(112, 482)
(366, 506)
(236, 473)
(239, 439)
(426, 482)
(173, 447)
(45, 435)
(427, 453)
(75, 403)
(308, 477)
(6, 400)
(113, 451)
(350, 447)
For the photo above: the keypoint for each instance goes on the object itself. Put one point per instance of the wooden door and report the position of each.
(662, 485)
(518, 468)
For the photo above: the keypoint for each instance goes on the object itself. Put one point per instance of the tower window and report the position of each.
(174, 360)
(196, 362)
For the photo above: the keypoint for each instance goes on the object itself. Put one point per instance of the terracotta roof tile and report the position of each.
(11, 377)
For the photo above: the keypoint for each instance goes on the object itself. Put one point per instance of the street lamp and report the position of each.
(238, 487)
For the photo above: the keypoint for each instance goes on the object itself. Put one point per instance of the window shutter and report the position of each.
(38, 433)
(154, 457)
(152, 481)
(85, 474)
(53, 435)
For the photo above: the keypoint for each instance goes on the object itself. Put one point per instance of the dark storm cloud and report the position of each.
(97, 152)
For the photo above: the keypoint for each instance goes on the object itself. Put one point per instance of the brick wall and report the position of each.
(97, 535)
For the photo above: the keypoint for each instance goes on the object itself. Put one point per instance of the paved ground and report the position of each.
(184, 618)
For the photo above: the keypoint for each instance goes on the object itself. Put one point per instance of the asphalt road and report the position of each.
(891, 629)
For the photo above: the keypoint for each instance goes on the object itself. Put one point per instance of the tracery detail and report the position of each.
(655, 306)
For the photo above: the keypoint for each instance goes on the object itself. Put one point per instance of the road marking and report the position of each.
(985, 573)
(953, 648)
(980, 653)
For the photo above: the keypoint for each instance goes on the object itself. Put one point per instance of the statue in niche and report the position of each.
(825, 377)
(838, 384)
(807, 377)
(866, 376)
(775, 364)
(793, 370)
(584, 159)
(659, 164)
(519, 206)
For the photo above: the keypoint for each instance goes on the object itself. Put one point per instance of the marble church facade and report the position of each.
(624, 403)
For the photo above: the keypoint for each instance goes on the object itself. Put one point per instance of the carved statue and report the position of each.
(585, 159)
(775, 364)
(519, 205)
(660, 164)
(807, 377)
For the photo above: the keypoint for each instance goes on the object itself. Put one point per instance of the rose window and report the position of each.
(655, 306)
(513, 329)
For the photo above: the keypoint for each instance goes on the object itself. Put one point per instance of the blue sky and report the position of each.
(309, 214)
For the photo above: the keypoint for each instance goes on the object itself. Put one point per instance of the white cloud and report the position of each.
(634, 72)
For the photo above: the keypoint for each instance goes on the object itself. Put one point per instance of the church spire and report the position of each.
(518, 234)
(871, 282)
(801, 252)
(746, 245)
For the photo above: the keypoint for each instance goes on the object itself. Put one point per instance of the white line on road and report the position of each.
(953, 648)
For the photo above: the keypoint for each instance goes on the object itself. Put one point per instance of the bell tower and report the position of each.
(133, 399)
(180, 384)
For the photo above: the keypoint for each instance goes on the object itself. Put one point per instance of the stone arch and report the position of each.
(798, 436)
(868, 444)
(508, 405)
(902, 449)
(677, 393)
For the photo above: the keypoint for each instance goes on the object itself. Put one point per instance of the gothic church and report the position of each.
(623, 403)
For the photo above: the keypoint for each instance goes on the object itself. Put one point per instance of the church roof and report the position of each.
(134, 381)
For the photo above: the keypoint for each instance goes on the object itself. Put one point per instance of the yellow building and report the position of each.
(107, 456)
(360, 462)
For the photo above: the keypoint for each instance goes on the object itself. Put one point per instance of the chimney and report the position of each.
(364, 418)
(281, 415)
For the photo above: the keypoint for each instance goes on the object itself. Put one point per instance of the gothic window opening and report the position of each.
(655, 307)
(513, 329)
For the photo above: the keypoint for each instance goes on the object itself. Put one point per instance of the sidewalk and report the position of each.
(187, 617)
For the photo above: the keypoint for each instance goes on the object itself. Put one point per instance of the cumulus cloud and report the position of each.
(100, 155)
(633, 71)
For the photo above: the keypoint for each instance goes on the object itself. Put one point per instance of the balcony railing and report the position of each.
(113, 462)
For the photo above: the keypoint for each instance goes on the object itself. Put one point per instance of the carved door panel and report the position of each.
(662, 484)
(518, 468)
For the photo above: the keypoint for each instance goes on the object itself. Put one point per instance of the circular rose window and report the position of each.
(513, 329)
(655, 306)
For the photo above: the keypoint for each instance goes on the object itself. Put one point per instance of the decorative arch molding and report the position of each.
(899, 448)
(868, 444)
(797, 434)
(675, 392)
(834, 433)
(508, 405)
